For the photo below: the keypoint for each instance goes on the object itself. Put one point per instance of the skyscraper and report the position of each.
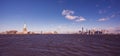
(25, 29)
(82, 29)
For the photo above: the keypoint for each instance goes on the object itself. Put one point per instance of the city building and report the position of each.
(11, 32)
(98, 32)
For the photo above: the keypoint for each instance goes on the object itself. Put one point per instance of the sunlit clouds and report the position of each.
(80, 19)
(70, 17)
(110, 17)
(108, 9)
(69, 14)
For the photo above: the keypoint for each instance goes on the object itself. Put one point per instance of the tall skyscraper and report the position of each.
(82, 29)
(25, 29)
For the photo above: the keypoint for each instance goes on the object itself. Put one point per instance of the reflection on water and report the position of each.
(59, 45)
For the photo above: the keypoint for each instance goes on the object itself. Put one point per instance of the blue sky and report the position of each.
(59, 15)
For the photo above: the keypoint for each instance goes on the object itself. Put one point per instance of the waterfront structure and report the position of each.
(25, 29)
(11, 32)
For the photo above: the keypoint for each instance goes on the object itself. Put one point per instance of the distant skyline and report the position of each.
(59, 15)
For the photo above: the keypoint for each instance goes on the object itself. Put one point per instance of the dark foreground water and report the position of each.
(59, 45)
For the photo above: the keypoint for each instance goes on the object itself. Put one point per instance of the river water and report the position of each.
(60, 45)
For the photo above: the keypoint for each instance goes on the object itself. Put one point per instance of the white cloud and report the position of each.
(69, 15)
(67, 12)
(117, 14)
(103, 19)
(113, 15)
(80, 19)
